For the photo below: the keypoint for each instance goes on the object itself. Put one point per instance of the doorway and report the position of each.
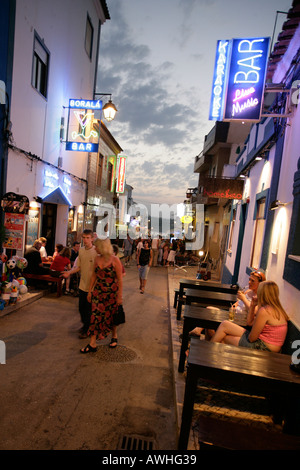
(49, 226)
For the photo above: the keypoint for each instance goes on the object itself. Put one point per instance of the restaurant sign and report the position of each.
(239, 79)
(222, 188)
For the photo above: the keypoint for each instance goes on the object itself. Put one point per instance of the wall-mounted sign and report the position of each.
(222, 188)
(16, 203)
(85, 104)
(246, 79)
(121, 174)
(219, 80)
(239, 76)
(112, 161)
(81, 133)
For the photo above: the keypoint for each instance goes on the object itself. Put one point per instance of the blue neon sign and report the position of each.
(246, 79)
(82, 147)
(219, 80)
(85, 104)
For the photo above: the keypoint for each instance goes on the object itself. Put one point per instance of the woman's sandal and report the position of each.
(114, 341)
(88, 349)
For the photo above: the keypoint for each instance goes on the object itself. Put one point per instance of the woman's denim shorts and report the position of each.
(258, 344)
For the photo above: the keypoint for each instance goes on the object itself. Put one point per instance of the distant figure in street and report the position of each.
(105, 294)
(144, 261)
(155, 247)
(127, 245)
(84, 264)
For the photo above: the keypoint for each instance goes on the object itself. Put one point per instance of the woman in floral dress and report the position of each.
(105, 293)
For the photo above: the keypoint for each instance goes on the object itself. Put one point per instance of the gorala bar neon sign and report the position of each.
(219, 81)
(81, 121)
(246, 79)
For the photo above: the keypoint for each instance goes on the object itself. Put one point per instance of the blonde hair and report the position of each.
(104, 247)
(268, 294)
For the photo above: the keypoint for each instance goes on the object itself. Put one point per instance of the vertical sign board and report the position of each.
(121, 174)
(246, 79)
(81, 135)
(219, 80)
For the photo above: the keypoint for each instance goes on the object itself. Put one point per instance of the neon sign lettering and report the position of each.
(85, 104)
(121, 174)
(81, 147)
(246, 79)
(217, 98)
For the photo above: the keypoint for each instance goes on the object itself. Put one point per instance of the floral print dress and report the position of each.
(104, 301)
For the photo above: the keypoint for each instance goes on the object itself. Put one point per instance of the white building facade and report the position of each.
(265, 226)
(55, 59)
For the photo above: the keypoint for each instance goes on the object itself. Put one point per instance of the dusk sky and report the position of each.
(157, 59)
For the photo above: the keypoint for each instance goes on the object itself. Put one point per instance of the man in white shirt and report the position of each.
(84, 264)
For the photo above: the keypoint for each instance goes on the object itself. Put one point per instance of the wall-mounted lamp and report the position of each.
(276, 204)
(109, 109)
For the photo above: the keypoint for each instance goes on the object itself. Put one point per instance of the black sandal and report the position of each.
(113, 340)
(88, 349)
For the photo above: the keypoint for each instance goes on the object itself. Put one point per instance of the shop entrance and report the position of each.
(49, 226)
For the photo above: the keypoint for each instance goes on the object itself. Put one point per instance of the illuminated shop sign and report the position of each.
(121, 174)
(239, 79)
(81, 134)
(219, 81)
(222, 188)
(246, 79)
(85, 104)
(81, 146)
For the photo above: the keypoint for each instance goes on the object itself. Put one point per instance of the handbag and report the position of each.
(119, 316)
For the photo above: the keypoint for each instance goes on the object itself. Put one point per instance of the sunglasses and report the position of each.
(257, 274)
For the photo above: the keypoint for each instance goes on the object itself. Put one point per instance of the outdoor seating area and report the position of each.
(256, 384)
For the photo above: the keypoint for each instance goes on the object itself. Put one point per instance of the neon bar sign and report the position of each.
(246, 79)
(85, 104)
(82, 122)
(219, 80)
(121, 175)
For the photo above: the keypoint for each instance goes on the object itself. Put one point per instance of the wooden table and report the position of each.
(204, 317)
(261, 372)
(205, 285)
(205, 298)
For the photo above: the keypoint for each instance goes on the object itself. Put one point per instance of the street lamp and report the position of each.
(109, 109)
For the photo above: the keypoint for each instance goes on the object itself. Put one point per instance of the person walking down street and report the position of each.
(105, 294)
(144, 261)
(127, 245)
(84, 264)
(155, 247)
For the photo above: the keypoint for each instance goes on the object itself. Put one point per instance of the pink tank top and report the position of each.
(274, 334)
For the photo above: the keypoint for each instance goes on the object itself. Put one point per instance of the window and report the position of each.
(258, 233)
(100, 169)
(40, 66)
(89, 34)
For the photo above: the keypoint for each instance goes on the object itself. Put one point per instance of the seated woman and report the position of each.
(61, 263)
(247, 301)
(269, 328)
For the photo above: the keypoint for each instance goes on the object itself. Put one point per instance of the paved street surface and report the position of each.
(53, 397)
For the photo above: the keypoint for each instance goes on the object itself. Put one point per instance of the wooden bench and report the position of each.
(203, 317)
(47, 278)
(260, 372)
